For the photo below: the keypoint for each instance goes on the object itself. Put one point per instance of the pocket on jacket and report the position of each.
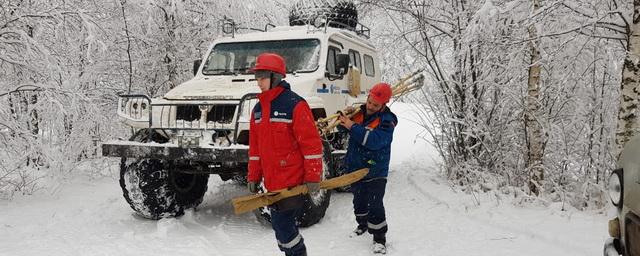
(290, 160)
(283, 138)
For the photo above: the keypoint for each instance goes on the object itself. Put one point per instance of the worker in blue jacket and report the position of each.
(370, 136)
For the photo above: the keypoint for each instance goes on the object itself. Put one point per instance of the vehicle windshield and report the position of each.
(300, 55)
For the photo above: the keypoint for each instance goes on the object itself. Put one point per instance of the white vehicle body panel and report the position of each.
(319, 91)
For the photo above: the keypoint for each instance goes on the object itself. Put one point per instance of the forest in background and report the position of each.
(521, 96)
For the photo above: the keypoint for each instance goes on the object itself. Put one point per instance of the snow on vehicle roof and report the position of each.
(293, 32)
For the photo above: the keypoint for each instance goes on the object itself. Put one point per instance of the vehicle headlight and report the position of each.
(134, 108)
(615, 187)
(123, 103)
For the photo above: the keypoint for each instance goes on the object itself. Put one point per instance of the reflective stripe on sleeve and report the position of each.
(313, 156)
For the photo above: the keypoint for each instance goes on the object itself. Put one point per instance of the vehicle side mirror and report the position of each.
(342, 64)
(196, 66)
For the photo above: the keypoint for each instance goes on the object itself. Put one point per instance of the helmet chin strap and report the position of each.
(270, 80)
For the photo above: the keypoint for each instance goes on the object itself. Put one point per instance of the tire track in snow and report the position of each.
(412, 181)
(420, 184)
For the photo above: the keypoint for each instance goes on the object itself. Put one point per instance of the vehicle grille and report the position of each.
(633, 235)
(219, 113)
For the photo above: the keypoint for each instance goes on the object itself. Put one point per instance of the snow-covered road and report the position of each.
(89, 216)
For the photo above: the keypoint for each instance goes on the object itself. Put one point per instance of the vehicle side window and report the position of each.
(331, 60)
(369, 68)
(354, 57)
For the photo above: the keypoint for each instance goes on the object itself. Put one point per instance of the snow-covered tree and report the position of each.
(628, 121)
(62, 63)
(533, 113)
(513, 89)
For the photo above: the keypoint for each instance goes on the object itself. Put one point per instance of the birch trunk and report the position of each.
(628, 124)
(532, 113)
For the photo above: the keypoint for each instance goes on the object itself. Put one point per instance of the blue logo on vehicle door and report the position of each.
(335, 89)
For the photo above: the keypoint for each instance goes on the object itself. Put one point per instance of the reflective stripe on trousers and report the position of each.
(289, 239)
(291, 243)
(377, 226)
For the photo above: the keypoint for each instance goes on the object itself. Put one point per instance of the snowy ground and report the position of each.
(88, 216)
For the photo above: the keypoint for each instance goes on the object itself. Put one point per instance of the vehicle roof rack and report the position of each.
(323, 22)
(230, 27)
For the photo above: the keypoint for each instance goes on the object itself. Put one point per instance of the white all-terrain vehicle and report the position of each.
(201, 127)
(624, 192)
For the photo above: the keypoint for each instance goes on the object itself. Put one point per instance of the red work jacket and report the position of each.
(284, 144)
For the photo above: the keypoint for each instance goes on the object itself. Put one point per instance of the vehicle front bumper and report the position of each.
(212, 154)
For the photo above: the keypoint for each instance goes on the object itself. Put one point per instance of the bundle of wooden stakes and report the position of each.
(251, 202)
(408, 84)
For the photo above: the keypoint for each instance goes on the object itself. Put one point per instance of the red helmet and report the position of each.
(380, 93)
(272, 62)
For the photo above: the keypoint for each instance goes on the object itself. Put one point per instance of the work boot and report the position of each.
(379, 248)
(303, 253)
(358, 231)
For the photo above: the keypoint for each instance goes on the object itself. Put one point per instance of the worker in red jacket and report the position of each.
(284, 148)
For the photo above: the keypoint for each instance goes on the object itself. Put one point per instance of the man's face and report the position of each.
(372, 106)
(263, 80)
(263, 83)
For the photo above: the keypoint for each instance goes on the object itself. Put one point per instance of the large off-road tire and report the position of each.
(339, 142)
(315, 204)
(154, 190)
(306, 11)
(338, 168)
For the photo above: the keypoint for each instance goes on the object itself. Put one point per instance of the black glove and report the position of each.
(253, 187)
(313, 186)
